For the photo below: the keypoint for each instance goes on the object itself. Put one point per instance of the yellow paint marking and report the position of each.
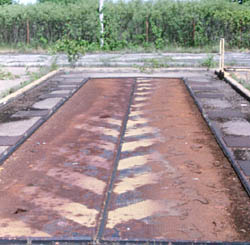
(134, 123)
(143, 93)
(140, 131)
(17, 228)
(138, 105)
(140, 80)
(131, 146)
(77, 212)
(139, 99)
(144, 88)
(132, 162)
(80, 180)
(135, 211)
(136, 113)
(130, 184)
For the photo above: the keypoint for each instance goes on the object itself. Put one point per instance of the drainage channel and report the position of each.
(124, 161)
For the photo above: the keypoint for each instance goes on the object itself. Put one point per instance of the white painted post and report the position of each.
(101, 2)
(222, 53)
(220, 65)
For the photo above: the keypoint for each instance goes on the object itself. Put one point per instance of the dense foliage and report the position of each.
(137, 22)
(3, 2)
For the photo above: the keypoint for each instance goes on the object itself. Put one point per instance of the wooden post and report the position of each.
(193, 32)
(147, 28)
(222, 54)
(28, 32)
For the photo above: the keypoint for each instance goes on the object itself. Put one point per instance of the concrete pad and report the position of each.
(32, 113)
(9, 140)
(236, 127)
(245, 166)
(17, 128)
(3, 149)
(61, 92)
(237, 141)
(47, 96)
(216, 103)
(209, 95)
(225, 114)
(20, 75)
(47, 103)
(68, 88)
(204, 89)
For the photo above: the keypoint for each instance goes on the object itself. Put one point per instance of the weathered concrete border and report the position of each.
(236, 85)
(20, 91)
(218, 135)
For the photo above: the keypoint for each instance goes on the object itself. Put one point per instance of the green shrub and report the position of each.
(136, 22)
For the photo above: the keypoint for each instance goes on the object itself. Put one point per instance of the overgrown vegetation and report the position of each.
(209, 62)
(137, 23)
(6, 75)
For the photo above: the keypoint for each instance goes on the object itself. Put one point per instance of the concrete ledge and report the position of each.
(28, 87)
(240, 88)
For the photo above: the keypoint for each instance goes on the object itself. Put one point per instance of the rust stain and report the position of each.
(73, 211)
(155, 172)
(60, 175)
(77, 179)
(17, 228)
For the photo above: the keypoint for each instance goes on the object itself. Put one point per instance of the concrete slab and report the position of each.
(67, 86)
(245, 166)
(237, 141)
(47, 96)
(17, 128)
(209, 95)
(225, 114)
(236, 127)
(3, 149)
(32, 113)
(204, 89)
(216, 103)
(9, 140)
(61, 92)
(47, 103)
(63, 88)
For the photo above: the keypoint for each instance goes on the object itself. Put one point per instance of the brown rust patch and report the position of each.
(167, 185)
(59, 175)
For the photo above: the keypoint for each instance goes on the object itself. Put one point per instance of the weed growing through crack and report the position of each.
(32, 77)
(150, 64)
(6, 75)
(209, 62)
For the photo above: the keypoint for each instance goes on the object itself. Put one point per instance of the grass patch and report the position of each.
(33, 76)
(244, 82)
(6, 75)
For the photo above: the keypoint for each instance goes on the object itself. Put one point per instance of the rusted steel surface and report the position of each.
(123, 159)
(165, 184)
(55, 184)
